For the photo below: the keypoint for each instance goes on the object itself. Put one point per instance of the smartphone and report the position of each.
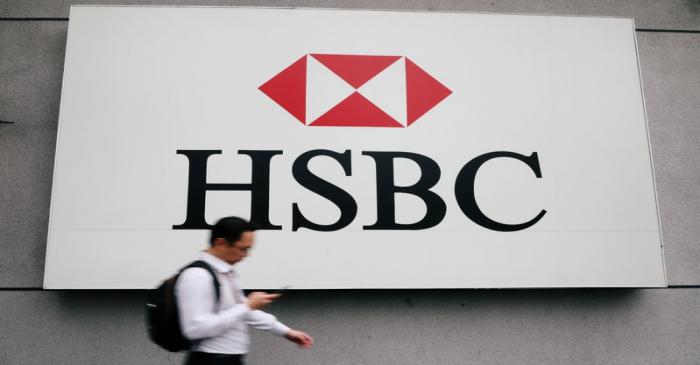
(282, 290)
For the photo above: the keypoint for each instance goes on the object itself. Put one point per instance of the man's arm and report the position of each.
(268, 322)
(196, 300)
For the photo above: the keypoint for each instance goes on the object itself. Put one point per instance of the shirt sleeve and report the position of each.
(266, 322)
(196, 301)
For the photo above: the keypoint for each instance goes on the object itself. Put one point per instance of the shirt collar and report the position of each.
(217, 263)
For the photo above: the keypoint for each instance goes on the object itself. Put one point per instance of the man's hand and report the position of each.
(258, 299)
(300, 338)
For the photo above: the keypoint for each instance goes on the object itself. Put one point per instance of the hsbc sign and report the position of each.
(430, 150)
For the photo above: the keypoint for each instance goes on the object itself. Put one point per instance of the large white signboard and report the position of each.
(375, 149)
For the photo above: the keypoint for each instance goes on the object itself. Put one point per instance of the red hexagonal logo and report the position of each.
(355, 90)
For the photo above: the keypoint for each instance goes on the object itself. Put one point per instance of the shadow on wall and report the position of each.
(340, 302)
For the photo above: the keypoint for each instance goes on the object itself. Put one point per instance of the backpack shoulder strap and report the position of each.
(205, 266)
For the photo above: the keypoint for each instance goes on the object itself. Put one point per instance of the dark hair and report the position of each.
(230, 229)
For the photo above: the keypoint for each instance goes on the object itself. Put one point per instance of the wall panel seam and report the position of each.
(651, 30)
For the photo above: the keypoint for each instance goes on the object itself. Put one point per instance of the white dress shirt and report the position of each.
(224, 331)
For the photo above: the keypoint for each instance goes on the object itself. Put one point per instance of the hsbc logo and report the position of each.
(335, 90)
(353, 91)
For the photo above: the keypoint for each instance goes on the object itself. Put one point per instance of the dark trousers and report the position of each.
(205, 358)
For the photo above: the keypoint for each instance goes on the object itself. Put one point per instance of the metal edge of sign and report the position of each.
(651, 158)
(55, 158)
(347, 9)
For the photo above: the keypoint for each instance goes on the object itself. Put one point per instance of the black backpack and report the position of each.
(162, 315)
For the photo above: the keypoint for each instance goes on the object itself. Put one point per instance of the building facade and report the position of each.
(523, 326)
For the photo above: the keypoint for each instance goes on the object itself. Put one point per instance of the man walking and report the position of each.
(219, 330)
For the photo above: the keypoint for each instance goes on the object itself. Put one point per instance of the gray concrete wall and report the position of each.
(644, 326)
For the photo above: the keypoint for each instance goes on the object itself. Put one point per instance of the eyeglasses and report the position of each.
(244, 250)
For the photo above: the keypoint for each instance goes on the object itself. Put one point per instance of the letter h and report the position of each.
(198, 186)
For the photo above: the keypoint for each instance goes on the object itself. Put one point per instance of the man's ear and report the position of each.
(218, 242)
